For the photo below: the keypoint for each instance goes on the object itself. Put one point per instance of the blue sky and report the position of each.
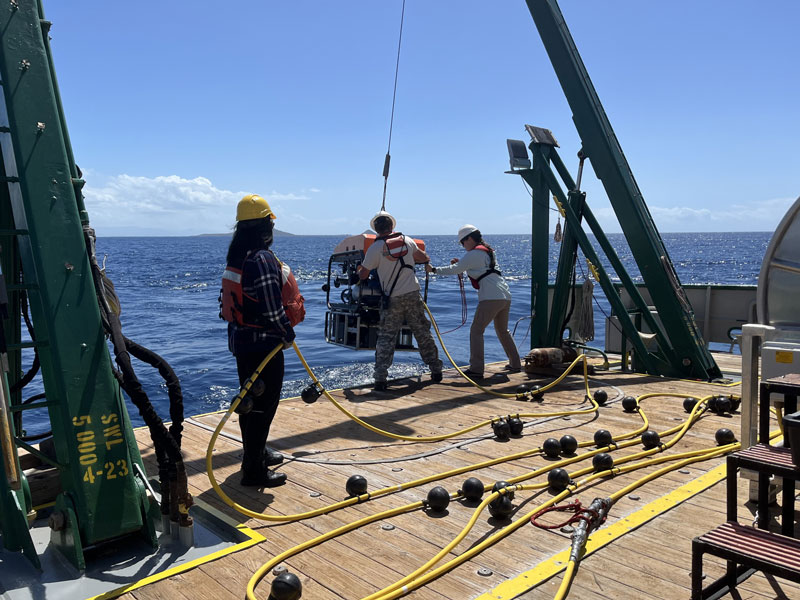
(175, 112)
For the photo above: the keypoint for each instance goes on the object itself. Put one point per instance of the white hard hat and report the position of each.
(382, 213)
(465, 231)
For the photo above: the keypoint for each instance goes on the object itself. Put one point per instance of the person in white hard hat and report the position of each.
(494, 297)
(394, 255)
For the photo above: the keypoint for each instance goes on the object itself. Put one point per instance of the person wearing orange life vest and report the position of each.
(260, 316)
(494, 297)
(393, 255)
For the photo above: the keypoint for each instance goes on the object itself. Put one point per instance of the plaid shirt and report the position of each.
(261, 279)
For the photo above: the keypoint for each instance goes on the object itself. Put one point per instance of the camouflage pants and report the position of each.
(408, 308)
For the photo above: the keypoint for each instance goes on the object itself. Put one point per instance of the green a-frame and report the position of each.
(679, 350)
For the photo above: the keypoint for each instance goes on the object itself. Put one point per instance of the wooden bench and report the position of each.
(747, 549)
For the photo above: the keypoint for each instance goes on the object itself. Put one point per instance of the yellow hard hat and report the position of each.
(253, 206)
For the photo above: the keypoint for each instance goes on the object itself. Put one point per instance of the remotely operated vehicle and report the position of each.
(353, 315)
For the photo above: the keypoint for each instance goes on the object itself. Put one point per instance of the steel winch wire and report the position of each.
(581, 357)
(680, 429)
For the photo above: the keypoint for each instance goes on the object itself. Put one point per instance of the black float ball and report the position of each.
(501, 429)
(472, 488)
(735, 403)
(536, 393)
(650, 439)
(438, 499)
(356, 485)
(712, 403)
(602, 462)
(310, 394)
(551, 447)
(629, 404)
(723, 405)
(500, 508)
(601, 397)
(602, 438)
(558, 479)
(689, 404)
(568, 444)
(515, 424)
(286, 586)
(724, 436)
(522, 390)
(245, 406)
(503, 484)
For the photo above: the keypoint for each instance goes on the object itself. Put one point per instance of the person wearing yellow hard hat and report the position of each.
(251, 302)
(494, 297)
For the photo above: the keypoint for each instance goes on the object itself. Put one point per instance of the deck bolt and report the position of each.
(634, 497)
(24, 64)
(484, 572)
(69, 266)
(40, 127)
(567, 529)
(315, 494)
(397, 469)
(387, 526)
(684, 471)
(14, 5)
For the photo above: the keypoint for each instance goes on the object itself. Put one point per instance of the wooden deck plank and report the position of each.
(366, 560)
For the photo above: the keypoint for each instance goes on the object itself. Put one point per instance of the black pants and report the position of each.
(255, 424)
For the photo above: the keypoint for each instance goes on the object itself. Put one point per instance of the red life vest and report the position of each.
(395, 247)
(476, 281)
(236, 306)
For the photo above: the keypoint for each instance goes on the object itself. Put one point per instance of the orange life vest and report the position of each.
(236, 306)
(476, 280)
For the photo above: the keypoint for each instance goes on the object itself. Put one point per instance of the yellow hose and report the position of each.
(499, 394)
(566, 583)
(437, 438)
(261, 573)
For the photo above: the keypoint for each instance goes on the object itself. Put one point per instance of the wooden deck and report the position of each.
(652, 561)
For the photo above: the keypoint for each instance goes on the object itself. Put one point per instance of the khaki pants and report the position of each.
(488, 311)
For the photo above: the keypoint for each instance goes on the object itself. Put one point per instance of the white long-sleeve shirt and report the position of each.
(475, 263)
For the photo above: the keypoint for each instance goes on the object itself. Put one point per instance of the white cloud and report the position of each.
(165, 205)
(763, 215)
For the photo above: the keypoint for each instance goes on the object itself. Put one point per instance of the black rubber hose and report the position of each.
(170, 378)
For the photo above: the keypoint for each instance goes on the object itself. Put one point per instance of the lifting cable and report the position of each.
(463, 304)
(388, 158)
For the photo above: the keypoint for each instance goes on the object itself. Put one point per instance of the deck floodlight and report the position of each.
(518, 154)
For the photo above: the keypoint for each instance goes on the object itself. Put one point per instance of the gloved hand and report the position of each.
(354, 279)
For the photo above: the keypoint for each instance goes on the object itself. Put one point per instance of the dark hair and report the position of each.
(249, 236)
(383, 225)
(478, 239)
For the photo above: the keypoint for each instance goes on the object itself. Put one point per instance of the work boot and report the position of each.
(436, 377)
(272, 457)
(380, 386)
(264, 478)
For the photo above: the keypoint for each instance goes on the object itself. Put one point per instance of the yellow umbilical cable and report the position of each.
(502, 395)
(437, 438)
(264, 569)
(681, 429)
(363, 497)
(477, 548)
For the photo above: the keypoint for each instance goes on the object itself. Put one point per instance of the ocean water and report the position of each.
(168, 288)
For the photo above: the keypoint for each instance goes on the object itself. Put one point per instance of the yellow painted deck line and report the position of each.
(523, 582)
(255, 538)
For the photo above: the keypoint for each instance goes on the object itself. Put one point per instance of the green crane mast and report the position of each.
(679, 350)
(47, 257)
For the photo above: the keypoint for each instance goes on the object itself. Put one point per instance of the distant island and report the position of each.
(275, 232)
